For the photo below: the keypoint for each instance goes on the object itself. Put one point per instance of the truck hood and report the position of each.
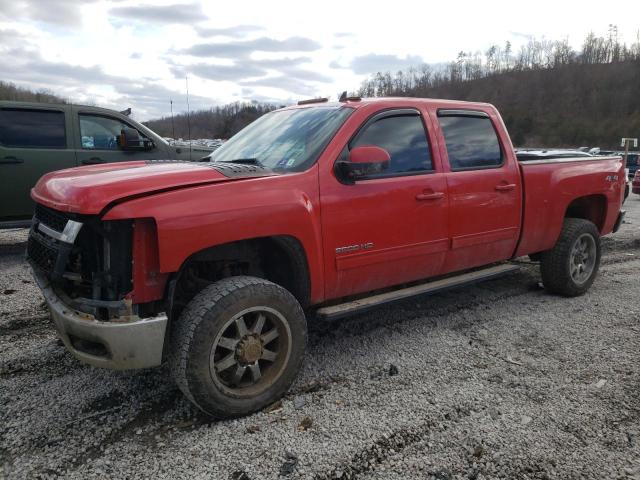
(88, 190)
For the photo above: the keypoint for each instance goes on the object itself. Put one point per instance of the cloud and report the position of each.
(10, 37)
(154, 98)
(234, 32)
(283, 82)
(302, 74)
(147, 98)
(281, 62)
(343, 34)
(177, 13)
(249, 69)
(251, 94)
(526, 36)
(37, 70)
(57, 12)
(373, 63)
(219, 72)
(246, 47)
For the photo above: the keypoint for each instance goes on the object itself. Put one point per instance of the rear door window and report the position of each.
(24, 128)
(472, 142)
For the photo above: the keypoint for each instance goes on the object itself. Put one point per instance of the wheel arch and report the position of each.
(281, 259)
(589, 207)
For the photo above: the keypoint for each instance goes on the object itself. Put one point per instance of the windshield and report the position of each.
(285, 140)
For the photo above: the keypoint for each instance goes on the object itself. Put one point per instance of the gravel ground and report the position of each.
(497, 380)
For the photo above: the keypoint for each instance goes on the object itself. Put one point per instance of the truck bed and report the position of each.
(568, 179)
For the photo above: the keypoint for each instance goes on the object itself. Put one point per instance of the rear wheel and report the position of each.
(571, 266)
(237, 346)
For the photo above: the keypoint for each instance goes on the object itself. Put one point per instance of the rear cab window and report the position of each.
(471, 140)
(32, 128)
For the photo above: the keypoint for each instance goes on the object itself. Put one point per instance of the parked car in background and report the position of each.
(37, 138)
(207, 158)
(632, 163)
(632, 159)
(597, 151)
(636, 185)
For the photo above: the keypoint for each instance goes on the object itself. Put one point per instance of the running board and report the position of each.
(356, 306)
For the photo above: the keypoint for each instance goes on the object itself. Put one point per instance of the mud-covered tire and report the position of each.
(557, 264)
(195, 341)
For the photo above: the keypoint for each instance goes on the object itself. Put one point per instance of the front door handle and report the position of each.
(11, 160)
(430, 196)
(92, 161)
(505, 187)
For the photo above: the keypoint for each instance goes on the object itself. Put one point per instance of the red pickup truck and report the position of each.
(313, 211)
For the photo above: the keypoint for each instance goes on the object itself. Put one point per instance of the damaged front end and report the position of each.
(85, 268)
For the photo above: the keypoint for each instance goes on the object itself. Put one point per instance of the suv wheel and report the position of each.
(238, 346)
(571, 266)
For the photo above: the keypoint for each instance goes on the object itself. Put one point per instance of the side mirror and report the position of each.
(130, 139)
(363, 161)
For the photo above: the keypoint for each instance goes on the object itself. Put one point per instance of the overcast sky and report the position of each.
(121, 53)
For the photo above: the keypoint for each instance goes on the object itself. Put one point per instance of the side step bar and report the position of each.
(333, 312)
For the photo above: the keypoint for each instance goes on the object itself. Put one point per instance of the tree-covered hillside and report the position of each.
(217, 122)
(11, 92)
(548, 94)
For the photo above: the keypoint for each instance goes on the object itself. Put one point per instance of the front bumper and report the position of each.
(119, 345)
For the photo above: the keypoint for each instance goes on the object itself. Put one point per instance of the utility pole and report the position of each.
(173, 130)
(188, 116)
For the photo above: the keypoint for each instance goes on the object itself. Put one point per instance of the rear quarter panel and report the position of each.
(551, 186)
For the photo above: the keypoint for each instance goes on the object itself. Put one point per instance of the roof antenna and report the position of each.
(343, 97)
(188, 116)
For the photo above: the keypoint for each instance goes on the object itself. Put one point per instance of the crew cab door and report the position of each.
(96, 138)
(391, 227)
(33, 141)
(485, 193)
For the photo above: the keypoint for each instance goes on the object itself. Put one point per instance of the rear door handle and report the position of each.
(430, 196)
(11, 160)
(92, 161)
(505, 187)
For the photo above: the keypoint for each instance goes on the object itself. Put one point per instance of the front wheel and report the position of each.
(238, 346)
(571, 266)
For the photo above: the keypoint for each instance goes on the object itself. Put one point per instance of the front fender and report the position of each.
(192, 219)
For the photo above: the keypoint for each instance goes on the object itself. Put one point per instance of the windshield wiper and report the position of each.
(245, 161)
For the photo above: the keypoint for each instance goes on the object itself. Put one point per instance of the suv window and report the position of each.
(404, 137)
(471, 141)
(32, 128)
(101, 133)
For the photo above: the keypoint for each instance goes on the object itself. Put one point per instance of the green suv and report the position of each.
(37, 138)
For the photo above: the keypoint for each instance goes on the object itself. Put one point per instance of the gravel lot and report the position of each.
(498, 380)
